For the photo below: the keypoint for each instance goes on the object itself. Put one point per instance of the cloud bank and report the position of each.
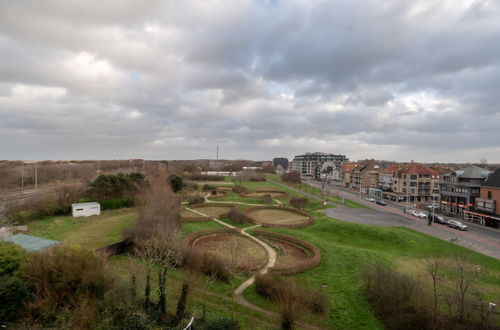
(158, 79)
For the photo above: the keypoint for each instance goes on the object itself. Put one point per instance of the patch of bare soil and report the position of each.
(250, 255)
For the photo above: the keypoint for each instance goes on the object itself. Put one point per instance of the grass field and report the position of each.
(211, 211)
(347, 248)
(91, 232)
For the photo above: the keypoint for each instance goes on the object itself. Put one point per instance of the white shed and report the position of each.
(85, 209)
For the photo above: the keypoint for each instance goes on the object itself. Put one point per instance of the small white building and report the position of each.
(85, 209)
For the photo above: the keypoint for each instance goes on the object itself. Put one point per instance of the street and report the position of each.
(479, 238)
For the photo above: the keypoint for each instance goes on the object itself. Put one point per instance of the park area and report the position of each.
(315, 253)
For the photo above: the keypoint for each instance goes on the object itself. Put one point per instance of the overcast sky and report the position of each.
(392, 79)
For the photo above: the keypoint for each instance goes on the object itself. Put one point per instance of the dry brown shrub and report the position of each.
(299, 202)
(66, 280)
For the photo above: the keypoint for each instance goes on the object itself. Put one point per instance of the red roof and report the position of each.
(394, 167)
(348, 167)
(419, 169)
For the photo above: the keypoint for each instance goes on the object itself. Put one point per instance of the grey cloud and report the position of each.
(170, 79)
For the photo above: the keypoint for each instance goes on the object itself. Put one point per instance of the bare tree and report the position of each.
(466, 275)
(290, 304)
(433, 266)
(163, 249)
(236, 254)
(155, 234)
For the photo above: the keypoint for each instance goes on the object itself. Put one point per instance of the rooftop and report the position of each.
(31, 243)
(493, 179)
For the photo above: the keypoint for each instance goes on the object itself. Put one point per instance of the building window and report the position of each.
(413, 177)
(489, 195)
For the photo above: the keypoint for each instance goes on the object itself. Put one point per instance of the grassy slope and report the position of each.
(347, 248)
(91, 232)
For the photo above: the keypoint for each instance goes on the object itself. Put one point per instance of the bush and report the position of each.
(202, 177)
(207, 264)
(175, 182)
(11, 258)
(394, 298)
(193, 200)
(66, 285)
(299, 203)
(275, 288)
(240, 190)
(208, 187)
(291, 177)
(237, 216)
(109, 186)
(221, 324)
(267, 199)
(13, 294)
(113, 204)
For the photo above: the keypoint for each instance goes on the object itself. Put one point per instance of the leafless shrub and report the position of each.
(207, 264)
(267, 199)
(291, 177)
(299, 202)
(396, 298)
(237, 215)
(311, 298)
(240, 190)
(195, 199)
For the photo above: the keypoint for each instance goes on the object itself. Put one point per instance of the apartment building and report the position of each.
(416, 183)
(489, 194)
(459, 189)
(365, 175)
(310, 163)
(345, 173)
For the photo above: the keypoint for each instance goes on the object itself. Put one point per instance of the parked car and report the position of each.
(419, 214)
(457, 225)
(438, 219)
(381, 202)
(370, 199)
(433, 207)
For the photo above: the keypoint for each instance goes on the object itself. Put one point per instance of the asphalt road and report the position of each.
(479, 238)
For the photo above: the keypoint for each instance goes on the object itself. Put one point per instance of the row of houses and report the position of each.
(471, 192)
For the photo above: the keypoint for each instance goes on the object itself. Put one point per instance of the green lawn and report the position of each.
(91, 232)
(347, 248)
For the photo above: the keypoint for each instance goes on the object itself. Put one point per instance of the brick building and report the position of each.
(415, 182)
(459, 189)
(365, 175)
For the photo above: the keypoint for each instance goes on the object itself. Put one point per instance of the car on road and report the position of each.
(457, 225)
(381, 202)
(370, 199)
(438, 219)
(419, 214)
(433, 207)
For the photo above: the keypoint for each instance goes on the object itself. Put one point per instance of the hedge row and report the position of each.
(312, 261)
(302, 224)
(271, 190)
(113, 204)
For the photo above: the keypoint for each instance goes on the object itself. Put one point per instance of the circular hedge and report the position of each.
(312, 260)
(308, 220)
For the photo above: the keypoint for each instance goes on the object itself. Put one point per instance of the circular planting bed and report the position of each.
(229, 245)
(278, 216)
(275, 193)
(294, 255)
(216, 210)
